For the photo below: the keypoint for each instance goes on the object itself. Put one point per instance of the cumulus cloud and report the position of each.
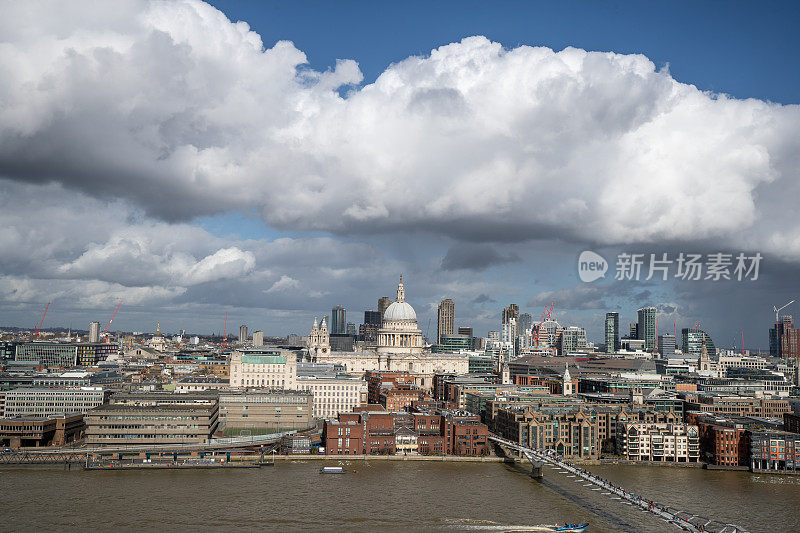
(286, 283)
(176, 108)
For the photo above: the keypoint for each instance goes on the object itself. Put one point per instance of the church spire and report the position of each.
(401, 292)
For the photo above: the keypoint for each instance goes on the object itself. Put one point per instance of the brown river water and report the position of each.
(382, 496)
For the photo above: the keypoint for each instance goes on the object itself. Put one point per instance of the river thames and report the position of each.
(382, 495)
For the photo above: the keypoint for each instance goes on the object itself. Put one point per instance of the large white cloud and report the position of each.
(176, 108)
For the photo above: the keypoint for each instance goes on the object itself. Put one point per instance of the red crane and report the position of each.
(538, 329)
(42, 322)
(112, 317)
(546, 314)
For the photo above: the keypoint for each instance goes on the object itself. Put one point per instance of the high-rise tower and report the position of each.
(446, 320)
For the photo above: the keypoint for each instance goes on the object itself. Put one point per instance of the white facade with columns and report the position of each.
(400, 349)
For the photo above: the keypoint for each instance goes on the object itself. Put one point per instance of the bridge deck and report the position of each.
(683, 519)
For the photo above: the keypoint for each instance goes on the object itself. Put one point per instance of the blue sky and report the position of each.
(744, 49)
(220, 176)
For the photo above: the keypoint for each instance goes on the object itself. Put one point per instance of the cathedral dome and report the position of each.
(399, 311)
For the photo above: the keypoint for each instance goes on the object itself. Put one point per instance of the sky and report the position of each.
(272, 160)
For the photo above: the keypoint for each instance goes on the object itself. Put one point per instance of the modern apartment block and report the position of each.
(678, 443)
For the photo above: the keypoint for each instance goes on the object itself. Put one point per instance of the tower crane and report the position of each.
(105, 331)
(42, 322)
(779, 309)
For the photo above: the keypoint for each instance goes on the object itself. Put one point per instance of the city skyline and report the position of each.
(178, 202)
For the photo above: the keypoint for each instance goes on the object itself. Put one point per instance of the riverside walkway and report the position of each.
(76, 455)
(682, 519)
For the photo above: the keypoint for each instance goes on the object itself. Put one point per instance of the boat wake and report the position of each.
(469, 524)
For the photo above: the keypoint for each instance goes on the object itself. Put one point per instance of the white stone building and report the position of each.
(400, 349)
(254, 367)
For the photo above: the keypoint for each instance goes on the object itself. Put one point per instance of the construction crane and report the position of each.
(42, 322)
(112, 317)
(779, 309)
(539, 329)
(546, 315)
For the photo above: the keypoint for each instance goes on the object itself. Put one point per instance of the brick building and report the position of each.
(24, 431)
(734, 405)
(370, 431)
(723, 442)
(374, 380)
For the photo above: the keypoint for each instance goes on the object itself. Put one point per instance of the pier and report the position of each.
(685, 520)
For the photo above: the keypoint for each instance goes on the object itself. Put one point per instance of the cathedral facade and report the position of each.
(400, 348)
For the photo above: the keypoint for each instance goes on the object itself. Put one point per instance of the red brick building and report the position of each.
(723, 442)
(399, 397)
(369, 431)
(554, 384)
(374, 380)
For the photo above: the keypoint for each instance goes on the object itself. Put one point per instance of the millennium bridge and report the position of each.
(685, 520)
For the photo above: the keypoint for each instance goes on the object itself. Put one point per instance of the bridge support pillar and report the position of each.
(536, 470)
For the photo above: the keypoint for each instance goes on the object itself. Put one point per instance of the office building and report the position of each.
(258, 338)
(351, 329)
(368, 331)
(776, 335)
(338, 323)
(465, 331)
(263, 367)
(33, 431)
(333, 392)
(64, 355)
(265, 411)
(446, 319)
(512, 311)
(153, 419)
(692, 342)
(452, 344)
(666, 345)
(47, 402)
(612, 332)
(94, 332)
(525, 322)
(383, 303)
(573, 339)
(242, 333)
(646, 327)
